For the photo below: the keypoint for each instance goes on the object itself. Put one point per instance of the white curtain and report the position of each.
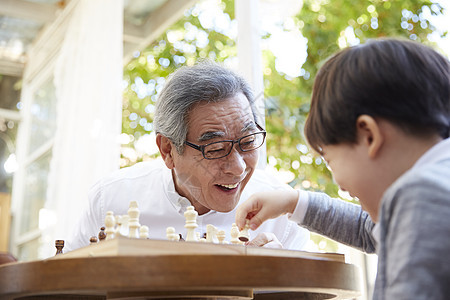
(250, 57)
(88, 79)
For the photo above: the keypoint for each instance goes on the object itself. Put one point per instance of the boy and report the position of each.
(380, 117)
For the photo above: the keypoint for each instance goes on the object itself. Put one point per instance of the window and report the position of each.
(35, 142)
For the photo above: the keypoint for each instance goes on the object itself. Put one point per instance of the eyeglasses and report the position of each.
(223, 148)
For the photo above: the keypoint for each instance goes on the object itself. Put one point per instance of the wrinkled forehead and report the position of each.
(228, 117)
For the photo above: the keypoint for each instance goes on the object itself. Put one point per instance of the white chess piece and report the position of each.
(191, 223)
(124, 228)
(110, 222)
(221, 237)
(234, 233)
(133, 222)
(171, 235)
(211, 232)
(143, 232)
(118, 230)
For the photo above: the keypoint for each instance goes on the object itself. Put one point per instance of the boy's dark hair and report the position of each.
(401, 81)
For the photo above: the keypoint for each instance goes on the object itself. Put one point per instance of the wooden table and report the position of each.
(145, 269)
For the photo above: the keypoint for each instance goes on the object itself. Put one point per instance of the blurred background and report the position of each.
(79, 80)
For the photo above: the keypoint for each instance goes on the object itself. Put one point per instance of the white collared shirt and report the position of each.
(151, 185)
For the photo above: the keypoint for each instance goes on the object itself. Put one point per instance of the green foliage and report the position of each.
(182, 44)
(328, 26)
(324, 24)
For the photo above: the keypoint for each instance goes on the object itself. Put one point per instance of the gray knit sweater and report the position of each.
(414, 240)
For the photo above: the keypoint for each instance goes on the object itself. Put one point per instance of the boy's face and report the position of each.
(381, 154)
(353, 172)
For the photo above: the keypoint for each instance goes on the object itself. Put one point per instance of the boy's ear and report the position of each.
(165, 148)
(369, 133)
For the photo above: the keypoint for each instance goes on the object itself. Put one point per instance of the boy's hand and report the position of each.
(265, 205)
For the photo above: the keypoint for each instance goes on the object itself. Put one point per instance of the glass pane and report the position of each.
(35, 192)
(10, 92)
(17, 36)
(8, 164)
(29, 250)
(137, 14)
(43, 115)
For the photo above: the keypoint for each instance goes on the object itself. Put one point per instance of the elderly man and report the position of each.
(208, 135)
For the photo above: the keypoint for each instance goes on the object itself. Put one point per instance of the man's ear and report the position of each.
(369, 133)
(165, 148)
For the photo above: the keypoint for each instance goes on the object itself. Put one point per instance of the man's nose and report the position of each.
(234, 163)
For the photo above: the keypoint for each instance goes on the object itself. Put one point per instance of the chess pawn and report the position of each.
(221, 237)
(118, 231)
(171, 235)
(133, 222)
(243, 235)
(110, 223)
(191, 223)
(59, 244)
(93, 240)
(143, 232)
(234, 233)
(101, 234)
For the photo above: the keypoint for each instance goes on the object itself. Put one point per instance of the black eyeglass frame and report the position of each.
(201, 148)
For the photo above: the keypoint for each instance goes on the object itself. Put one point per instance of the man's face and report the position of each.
(216, 184)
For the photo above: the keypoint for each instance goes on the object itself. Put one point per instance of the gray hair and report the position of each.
(204, 82)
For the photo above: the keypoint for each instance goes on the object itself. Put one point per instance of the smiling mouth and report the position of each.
(228, 187)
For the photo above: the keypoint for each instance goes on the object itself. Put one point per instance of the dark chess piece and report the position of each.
(59, 244)
(102, 234)
(243, 235)
(93, 240)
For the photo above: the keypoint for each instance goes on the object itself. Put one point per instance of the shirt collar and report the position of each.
(438, 152)
(179, 202)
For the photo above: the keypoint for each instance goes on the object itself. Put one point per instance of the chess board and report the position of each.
(131, 268)
(124, 246)
(123, 263)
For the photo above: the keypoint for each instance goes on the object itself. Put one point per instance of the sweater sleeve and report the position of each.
(341, 221)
